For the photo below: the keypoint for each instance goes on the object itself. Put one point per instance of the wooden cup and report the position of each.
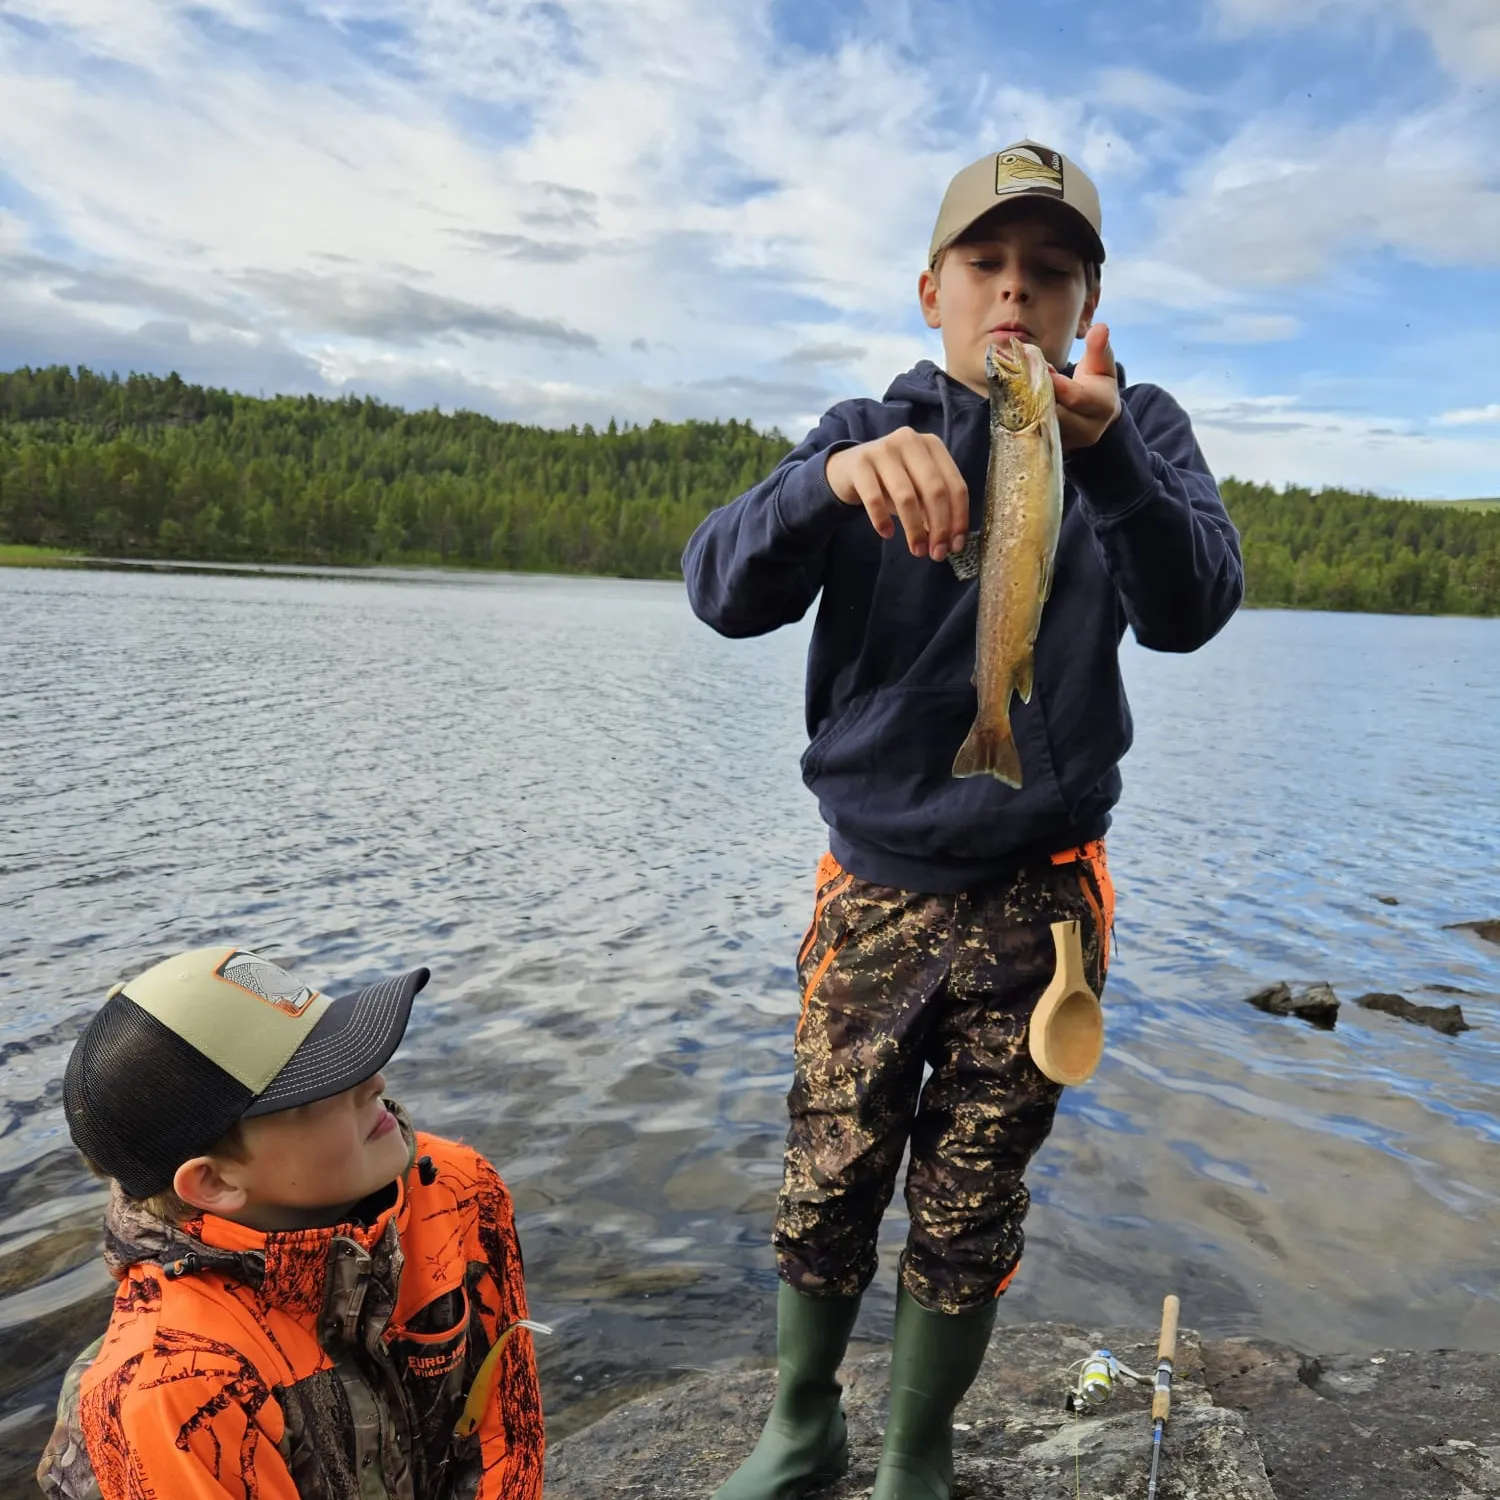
(1066, 1035)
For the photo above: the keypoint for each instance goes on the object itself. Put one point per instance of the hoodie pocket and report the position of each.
(816, 754)
(901, 732)
(883, 775)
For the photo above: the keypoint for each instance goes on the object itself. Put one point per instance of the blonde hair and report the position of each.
(168, 1205)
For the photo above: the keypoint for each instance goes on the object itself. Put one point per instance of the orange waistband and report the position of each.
(1092, 854)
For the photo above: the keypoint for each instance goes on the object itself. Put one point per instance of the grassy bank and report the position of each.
(12, 556)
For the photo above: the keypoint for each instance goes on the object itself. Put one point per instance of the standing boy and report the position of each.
(931, 936)
(315, 1302)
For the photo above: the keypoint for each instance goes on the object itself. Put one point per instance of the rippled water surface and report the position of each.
(582, 810)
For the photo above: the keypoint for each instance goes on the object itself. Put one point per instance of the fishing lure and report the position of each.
(483, 1389)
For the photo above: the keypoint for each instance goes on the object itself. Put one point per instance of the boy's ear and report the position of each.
(201, 1183)
(927, 296)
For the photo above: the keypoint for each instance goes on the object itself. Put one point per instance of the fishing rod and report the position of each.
(1098, 1373)
(1161, 1400)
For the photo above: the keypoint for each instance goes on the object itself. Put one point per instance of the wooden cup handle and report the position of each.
(1068, 943)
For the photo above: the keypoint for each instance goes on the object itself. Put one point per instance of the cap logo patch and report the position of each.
(1022, 170)
(261, 978)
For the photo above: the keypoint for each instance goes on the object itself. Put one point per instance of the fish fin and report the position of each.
(1047, 568)
(965, 564)
(1025, 671)
(990, 750)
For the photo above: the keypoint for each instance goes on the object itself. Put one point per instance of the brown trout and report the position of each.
(1023, 502)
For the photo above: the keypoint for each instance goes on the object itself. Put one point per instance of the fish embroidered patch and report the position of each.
(268, 981)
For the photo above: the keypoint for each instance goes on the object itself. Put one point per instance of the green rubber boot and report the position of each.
(804, 1444)
(934, 1360)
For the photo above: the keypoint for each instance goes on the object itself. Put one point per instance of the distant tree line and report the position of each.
(147, 466)
(1331, 549)
(154, 467)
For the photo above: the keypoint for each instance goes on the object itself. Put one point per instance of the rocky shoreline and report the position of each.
(1251, 1420)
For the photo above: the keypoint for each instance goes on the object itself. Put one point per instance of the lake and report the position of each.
(581, 809)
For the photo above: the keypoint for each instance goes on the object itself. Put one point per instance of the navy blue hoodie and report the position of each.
(1145, 542)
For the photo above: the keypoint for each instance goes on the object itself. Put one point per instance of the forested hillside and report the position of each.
(154, 467)
(1330, 549)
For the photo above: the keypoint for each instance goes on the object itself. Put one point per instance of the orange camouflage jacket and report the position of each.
(320, 1364)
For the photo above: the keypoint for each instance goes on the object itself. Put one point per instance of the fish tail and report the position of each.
(990, 750)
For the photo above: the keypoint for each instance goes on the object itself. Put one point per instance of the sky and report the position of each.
(583, 209)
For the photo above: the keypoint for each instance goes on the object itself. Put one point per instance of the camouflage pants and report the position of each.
(893, 980)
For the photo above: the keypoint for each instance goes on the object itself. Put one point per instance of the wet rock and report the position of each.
(1012, 1435)
(1395, 1424)
(1388, 901)
(1488, 931)
(1449, 1019)
(1251, 1420)
(1314, 1003)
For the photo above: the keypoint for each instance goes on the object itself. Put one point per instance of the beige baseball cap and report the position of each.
(181, 1052)
(1027, 170)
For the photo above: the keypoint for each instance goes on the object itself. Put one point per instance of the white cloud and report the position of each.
(1149, 281)
(660, 174)
(1280, 204)
(147, 34)
(1149, 289)
(1465, 34)
(1147, 93)
(1472, 416)
(1247, 328)
(1280, 439)
(638, 208)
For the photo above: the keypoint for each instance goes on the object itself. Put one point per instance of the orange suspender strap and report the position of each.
(1092, 855)
(833, 880)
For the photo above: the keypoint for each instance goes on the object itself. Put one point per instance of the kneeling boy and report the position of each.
(315, 1301)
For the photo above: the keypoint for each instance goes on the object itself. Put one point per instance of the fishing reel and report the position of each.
(1096, 1380)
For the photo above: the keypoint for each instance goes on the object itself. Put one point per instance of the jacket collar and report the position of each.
(305, 1272)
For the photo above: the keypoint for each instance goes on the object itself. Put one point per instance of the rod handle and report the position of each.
(1166, 1347)
(1166, 1352)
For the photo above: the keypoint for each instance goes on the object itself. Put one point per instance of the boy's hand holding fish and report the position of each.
(911, 476)
(1088, 401)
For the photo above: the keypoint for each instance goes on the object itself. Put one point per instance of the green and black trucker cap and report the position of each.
(178, 1054)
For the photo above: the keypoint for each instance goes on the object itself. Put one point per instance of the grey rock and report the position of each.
(1449, 1019)
(1396, 1424)
(1251, 1420)
(1013, 1435)
(1314, 1003)
(1488, 931)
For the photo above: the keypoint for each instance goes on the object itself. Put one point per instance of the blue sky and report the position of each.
(636, 208)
